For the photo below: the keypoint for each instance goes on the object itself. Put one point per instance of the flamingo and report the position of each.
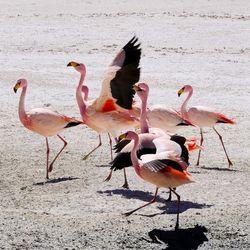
(146, 137)
(203, 117)
(109, 112)
(163, 169)
(44, 122)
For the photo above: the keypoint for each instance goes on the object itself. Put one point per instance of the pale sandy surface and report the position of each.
(203, 43)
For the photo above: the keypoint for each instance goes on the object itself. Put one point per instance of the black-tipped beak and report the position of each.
(15, 90)
(69, 64)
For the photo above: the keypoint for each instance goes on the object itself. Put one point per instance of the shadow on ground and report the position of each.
(170, 207)
(188, 238)
(221, 169)
(57, 180)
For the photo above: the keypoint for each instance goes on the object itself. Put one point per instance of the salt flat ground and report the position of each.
(202, 43)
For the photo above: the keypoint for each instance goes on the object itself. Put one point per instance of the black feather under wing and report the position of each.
(129, 74)
(158, 165)
(123, 159)
(120, 145)
(72, 124)
(181, 141)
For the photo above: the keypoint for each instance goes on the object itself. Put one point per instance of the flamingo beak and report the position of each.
(136, 88)
(180, 91)
(17, 86)
(72, 64)
(122, 136)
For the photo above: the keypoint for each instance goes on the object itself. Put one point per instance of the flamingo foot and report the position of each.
(50, 168)
(230, 164)
(109, 176)
(170, 196)
(85, 157)
(176, 225)
(128, 213)
(125, 185)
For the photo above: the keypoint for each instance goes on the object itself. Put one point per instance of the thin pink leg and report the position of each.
(65, 144)
(125, 185)
(229, 162)
(150, 202)
(47, 158)
(99, 145)
(109, 176)
(201, 142)
(111, 147)
(178, 207)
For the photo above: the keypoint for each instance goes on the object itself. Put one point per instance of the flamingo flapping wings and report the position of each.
(109, 113)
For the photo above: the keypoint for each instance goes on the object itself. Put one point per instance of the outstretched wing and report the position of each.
(117, 89)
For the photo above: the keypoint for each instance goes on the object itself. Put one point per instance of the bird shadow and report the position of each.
(102, 166)
(170, 207)
(54, 181)
(183, 239)
(220, 169)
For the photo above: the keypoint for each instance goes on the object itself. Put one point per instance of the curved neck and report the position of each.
(80, 101)
(143, 117)
(134, 158)
(21, 109)
(184, 105)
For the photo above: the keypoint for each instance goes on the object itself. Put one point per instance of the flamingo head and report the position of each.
(80, 67)
(184, 89)
(130, 135)
(20, 84)
(142, 90)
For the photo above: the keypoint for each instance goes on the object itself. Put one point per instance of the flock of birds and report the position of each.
(150, 145)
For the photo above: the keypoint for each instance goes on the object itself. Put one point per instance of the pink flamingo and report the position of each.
(203, 117)
(109, 112)
(163, 169)
(44, 122)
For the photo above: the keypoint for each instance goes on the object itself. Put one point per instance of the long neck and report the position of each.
(134, 158)
(80, 101)
(184, 105)
(21, 110)
(143, 117)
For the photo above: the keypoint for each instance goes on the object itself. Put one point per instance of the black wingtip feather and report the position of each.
(72, 124)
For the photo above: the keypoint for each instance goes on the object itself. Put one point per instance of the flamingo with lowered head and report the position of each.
(203, 117)
(163, 169)
(44, 122)
(109, 112)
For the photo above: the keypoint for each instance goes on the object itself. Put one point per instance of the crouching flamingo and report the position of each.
(44, 122)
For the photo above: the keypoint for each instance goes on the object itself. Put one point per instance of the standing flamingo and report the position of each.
(109, 112)
(44, 122)
(203, 117)
(163, 169)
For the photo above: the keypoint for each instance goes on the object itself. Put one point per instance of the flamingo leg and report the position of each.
(65, 144)
(99, 145)
(150, 202)
(109, 175)
(201, 142)
(111, 147)
(229, 162)
(125, 185)
(47, 158)
(178, 208)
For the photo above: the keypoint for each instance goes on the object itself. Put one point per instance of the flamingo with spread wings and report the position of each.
(203, 117)
(163, 169)
(44, 122)
(109, 112)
